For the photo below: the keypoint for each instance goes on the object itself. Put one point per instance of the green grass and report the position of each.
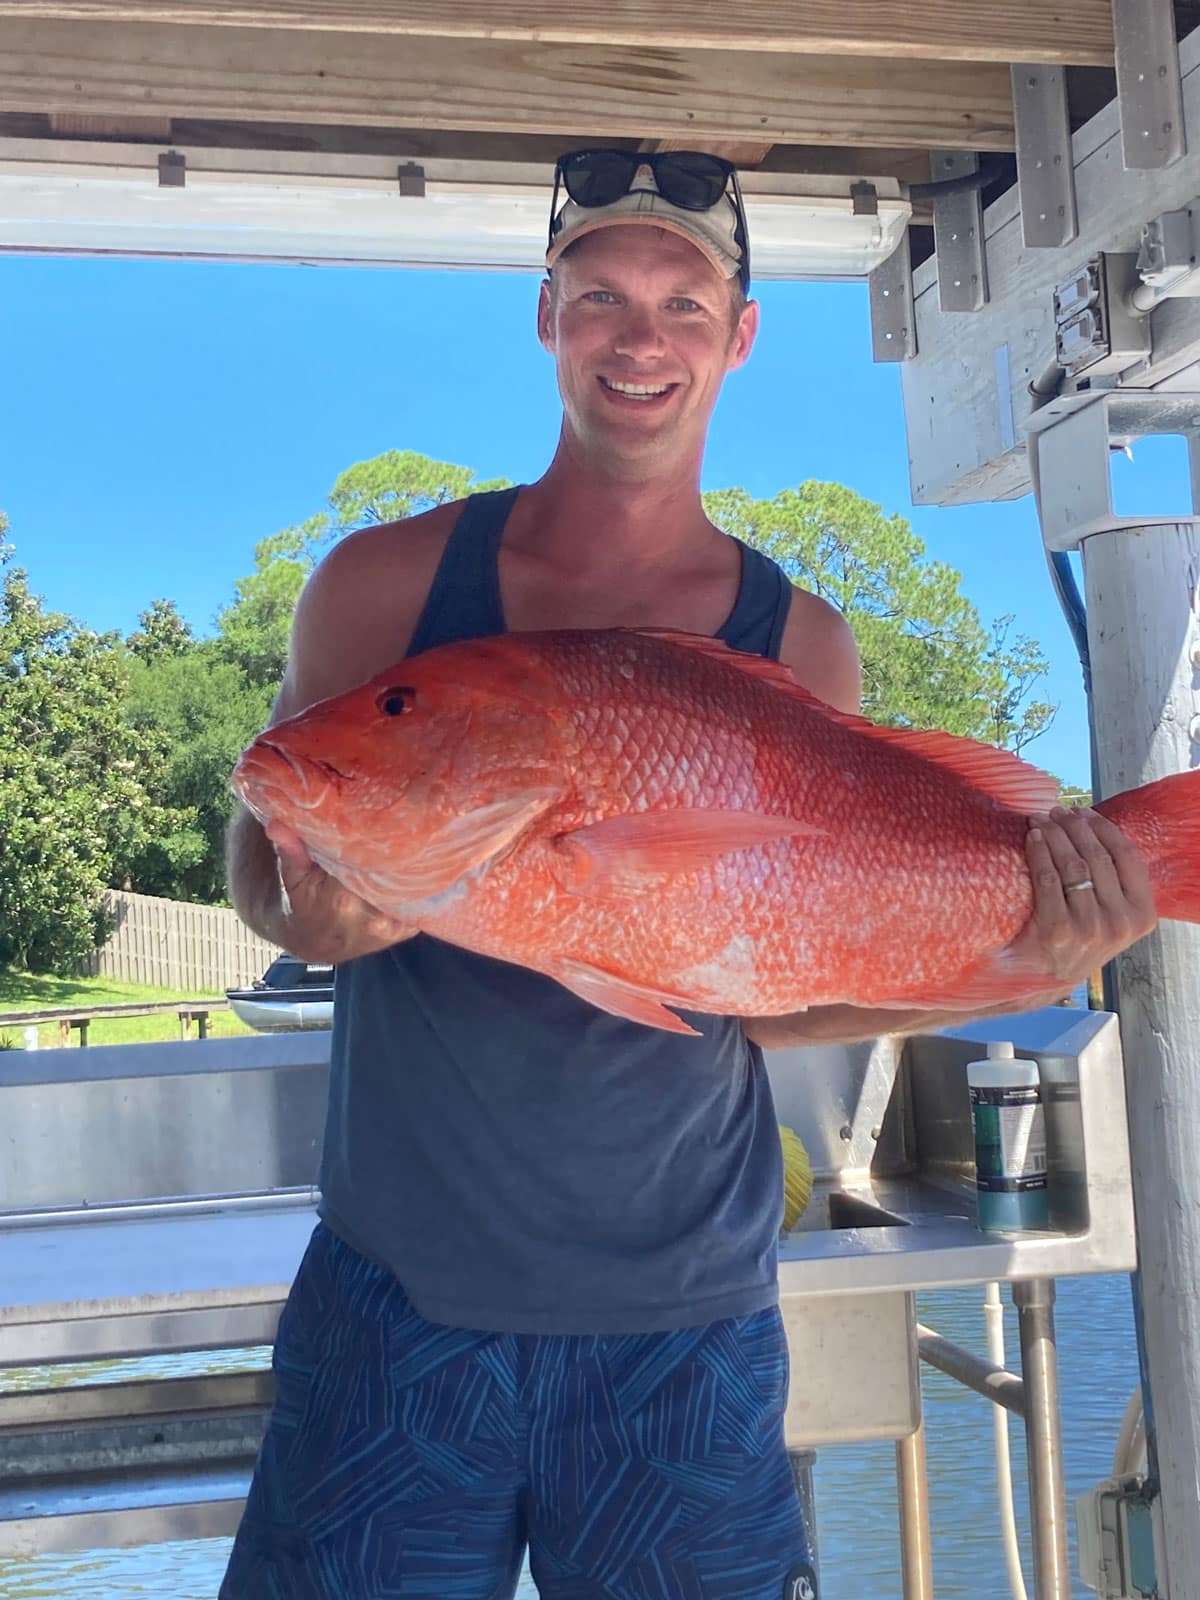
(25, 991)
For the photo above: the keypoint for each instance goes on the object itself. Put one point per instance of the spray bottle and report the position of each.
(1010, 1141)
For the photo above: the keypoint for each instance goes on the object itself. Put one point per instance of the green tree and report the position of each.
(163, 632)
(397, 484)
(254, 629)
(204, 713)
(1018, 666)
(927, 660)
(76, 780)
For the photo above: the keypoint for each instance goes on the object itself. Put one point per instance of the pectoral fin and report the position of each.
(638, 850)
(466, 842)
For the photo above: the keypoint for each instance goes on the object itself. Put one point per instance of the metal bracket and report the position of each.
(1149, 86)
(893, 323)
(1071, 439)
(1045, 165)
(172, 170)
(958, 235)
(864, 199)
(411, 180)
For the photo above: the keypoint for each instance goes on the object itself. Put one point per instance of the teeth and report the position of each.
(636, 388)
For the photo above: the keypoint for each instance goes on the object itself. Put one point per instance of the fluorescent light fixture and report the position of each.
(101, 199)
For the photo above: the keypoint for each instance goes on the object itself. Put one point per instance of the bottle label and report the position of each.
(1010, 1140)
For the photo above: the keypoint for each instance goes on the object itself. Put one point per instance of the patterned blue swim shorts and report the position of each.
(407, 1459)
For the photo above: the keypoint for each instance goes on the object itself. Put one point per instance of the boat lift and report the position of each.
(1015, 183)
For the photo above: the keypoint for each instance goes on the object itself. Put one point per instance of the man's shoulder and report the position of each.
(396, 547)
(360, 606)
(820, 648)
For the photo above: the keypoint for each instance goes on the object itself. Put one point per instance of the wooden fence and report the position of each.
(200, 949)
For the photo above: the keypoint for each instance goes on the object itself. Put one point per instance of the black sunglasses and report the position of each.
(690, 179)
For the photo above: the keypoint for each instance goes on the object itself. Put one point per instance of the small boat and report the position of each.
(291, 995)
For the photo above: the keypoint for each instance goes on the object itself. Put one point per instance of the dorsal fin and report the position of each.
(1005, 777)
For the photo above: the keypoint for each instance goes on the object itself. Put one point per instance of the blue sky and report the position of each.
(161, 417)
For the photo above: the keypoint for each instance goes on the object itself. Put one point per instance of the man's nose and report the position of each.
(640, 334)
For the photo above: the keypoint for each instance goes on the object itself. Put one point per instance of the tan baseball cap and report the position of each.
(712, 232)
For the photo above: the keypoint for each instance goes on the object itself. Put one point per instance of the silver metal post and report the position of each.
(912, 1492)
(1143, 608)
(802, 1463)
(1043, 1433)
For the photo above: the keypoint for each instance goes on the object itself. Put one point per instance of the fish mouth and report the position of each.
(269, 770)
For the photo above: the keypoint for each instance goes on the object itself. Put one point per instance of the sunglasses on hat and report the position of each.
(693, 180)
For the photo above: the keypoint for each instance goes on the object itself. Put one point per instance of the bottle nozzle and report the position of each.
(999, 1050)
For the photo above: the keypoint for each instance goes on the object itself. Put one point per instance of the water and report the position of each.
(856, 1501)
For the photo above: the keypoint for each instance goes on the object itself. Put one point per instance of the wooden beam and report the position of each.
(466, 145)
(130, 127)
(110, 69)
(1049, 31)
(745, 154)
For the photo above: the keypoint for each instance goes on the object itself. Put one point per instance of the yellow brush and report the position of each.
(797, 1178)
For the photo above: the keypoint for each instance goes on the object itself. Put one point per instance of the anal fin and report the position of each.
(620, 998)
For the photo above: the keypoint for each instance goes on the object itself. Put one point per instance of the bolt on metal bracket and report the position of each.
(958, 235)
(410, 178)
(1149, 85)
(172, 170)
(893, 319)
(1045, 164)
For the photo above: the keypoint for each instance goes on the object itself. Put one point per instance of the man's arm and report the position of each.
(252, 872)
(854, 1024)
(354, 619)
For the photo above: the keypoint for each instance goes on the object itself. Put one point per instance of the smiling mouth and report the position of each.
(641, 392)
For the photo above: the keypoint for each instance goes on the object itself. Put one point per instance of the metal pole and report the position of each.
(802, 1463)
(912, 1491)
(1003, 1388)
(1143, 602)
(1043, 1433)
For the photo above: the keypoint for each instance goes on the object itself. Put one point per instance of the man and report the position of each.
(540, 1308)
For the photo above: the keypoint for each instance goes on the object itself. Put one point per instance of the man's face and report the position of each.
(641, 326)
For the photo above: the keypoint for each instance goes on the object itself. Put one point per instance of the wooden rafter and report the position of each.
(459, 145)
(746, 153)
(258, 75)
(1050, 31)
(72, 126)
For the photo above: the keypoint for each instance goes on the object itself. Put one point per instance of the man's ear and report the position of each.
(744, 336)
(545, 315)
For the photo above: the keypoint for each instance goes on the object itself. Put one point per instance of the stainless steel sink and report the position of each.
(888, 1130)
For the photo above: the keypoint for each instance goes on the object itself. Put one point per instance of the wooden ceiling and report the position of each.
(854, 87)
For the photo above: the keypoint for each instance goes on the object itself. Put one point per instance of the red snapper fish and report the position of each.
(657, 821)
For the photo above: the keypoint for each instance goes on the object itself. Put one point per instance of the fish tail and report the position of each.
(1163, 820)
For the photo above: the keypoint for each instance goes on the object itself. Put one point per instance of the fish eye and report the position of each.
(395, 702)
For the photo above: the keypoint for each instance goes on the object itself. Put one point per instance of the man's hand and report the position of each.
(1091, 895)
(322, 920)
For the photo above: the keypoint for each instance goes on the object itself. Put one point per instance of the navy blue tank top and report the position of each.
(521, 1161)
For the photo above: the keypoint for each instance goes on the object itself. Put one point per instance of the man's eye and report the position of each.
(682, 303)
(601, 296)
